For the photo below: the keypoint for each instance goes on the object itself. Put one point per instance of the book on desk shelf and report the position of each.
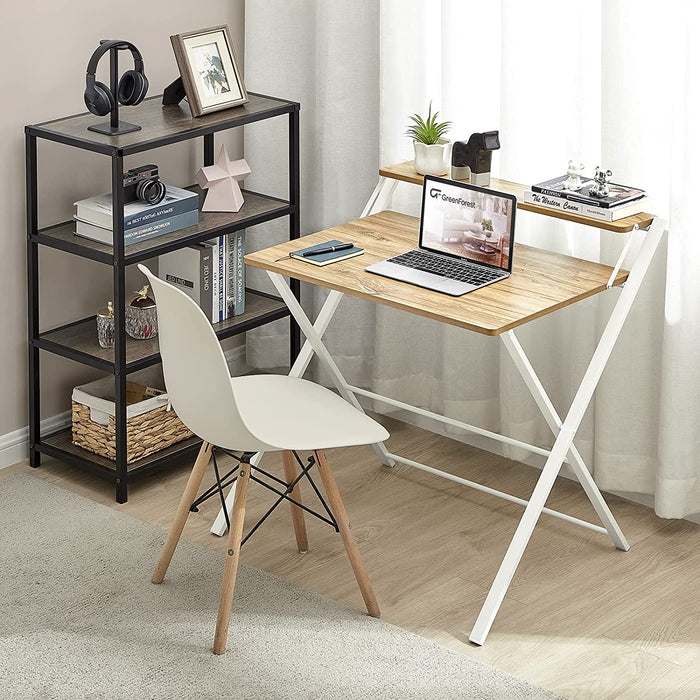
(600, 213)
(326, 258)
(211, 273)
(618, 195)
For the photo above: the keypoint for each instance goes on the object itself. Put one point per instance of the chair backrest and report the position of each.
(195, 370)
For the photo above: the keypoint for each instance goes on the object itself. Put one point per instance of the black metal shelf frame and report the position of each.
(119, 259)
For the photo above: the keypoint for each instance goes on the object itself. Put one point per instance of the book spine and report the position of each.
(102, 215)
(215, 281)
(609, 215)
(230, 275)
(240, 273)
(570, 196)
(175, 223)
(181, 206)
(222, 278)
(206, 298)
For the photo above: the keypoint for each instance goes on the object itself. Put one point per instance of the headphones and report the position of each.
(133, 85)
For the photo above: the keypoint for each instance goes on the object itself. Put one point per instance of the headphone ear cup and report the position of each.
(99, 100)
(132, 88)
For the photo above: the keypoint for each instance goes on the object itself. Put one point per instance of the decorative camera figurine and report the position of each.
(601, 183)
(574, 171)
(143, 184)
(471, 160)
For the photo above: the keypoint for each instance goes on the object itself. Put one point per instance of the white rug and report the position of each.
(81, 619)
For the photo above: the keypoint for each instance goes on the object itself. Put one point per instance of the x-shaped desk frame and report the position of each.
(563, 449)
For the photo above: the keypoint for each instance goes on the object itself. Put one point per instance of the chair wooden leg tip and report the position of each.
(218, 651)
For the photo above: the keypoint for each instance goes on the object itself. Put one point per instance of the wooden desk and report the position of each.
(542, 282)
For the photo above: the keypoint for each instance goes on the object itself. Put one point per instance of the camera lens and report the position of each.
(150, 191)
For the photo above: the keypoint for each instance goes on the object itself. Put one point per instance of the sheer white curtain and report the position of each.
(609, 83)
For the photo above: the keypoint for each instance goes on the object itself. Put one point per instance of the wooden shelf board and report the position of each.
(60, 445)
(82, 336)
(405, 172)
(256, 207)
(160, 125)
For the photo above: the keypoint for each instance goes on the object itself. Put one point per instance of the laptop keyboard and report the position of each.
(446, 267)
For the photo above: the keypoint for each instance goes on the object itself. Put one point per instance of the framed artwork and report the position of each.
(209, 70)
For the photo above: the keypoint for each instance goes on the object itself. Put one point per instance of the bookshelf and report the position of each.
(77, 341)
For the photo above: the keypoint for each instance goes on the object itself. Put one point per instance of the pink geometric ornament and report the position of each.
(221, 180)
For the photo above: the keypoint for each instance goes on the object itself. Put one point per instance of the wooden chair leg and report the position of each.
(338, 509)
(233, 550)
(183, 510)
(290, 473)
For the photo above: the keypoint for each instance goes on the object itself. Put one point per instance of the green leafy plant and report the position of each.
(487, 224)
(427, 131)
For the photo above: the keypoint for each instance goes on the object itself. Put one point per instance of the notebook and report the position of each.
(327, 258)
(465, 240)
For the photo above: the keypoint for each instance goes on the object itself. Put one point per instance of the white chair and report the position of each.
(258, 413)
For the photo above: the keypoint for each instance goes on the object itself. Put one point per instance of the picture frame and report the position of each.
(209, 69)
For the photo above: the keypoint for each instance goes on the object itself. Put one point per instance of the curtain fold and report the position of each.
(610, 83)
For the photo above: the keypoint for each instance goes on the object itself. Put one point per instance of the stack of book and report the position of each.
(622, 201)
(212, 273)
(178, 209)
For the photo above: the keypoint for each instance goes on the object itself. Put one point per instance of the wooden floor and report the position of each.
(580, 618)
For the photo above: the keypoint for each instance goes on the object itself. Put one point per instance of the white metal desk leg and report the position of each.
(322, 353)
(565, 438)
(298, 368)
(550, 414)
(325, 315)
(381, 197)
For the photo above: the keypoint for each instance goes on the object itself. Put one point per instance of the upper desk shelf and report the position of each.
(160, 125)
(407, 173)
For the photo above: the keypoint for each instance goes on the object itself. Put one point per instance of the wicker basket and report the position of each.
(150, 426)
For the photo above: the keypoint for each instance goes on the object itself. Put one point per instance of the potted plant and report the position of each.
(429, 144)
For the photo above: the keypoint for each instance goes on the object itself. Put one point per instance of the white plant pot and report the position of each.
(432, 159)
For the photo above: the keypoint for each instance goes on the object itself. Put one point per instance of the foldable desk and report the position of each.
(542, 282)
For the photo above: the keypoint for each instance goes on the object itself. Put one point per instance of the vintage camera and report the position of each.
(142, 184)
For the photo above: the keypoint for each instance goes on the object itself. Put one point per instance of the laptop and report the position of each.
(465, 241)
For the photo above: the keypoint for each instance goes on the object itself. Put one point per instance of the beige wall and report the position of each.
(43, 55)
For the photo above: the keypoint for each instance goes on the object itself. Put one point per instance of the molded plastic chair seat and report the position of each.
(256, 413)
(288, 413)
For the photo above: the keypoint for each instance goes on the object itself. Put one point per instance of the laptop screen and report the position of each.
(468, 222)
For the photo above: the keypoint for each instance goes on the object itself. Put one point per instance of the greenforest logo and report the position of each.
(436, 193)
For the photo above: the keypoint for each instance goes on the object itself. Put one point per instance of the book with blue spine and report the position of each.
(140, 233)
(98, 210)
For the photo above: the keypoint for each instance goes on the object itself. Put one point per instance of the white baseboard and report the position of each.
(14, 446)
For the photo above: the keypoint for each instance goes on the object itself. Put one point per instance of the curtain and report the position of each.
(609, 83)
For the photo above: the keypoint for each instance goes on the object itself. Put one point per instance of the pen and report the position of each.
(329, 249)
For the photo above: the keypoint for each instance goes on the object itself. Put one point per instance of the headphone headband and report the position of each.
(105, 46)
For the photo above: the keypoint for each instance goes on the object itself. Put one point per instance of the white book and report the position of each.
(611, 214)
(189, 269)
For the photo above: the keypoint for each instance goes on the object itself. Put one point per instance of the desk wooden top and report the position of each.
(541, 281)
(405, 172)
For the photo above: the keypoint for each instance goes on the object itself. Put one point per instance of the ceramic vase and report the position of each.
(431, 159)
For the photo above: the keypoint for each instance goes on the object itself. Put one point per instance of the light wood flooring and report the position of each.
(580, 618)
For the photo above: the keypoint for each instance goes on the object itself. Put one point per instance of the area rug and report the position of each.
(81, 619)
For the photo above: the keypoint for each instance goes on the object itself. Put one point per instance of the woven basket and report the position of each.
(145, 433)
